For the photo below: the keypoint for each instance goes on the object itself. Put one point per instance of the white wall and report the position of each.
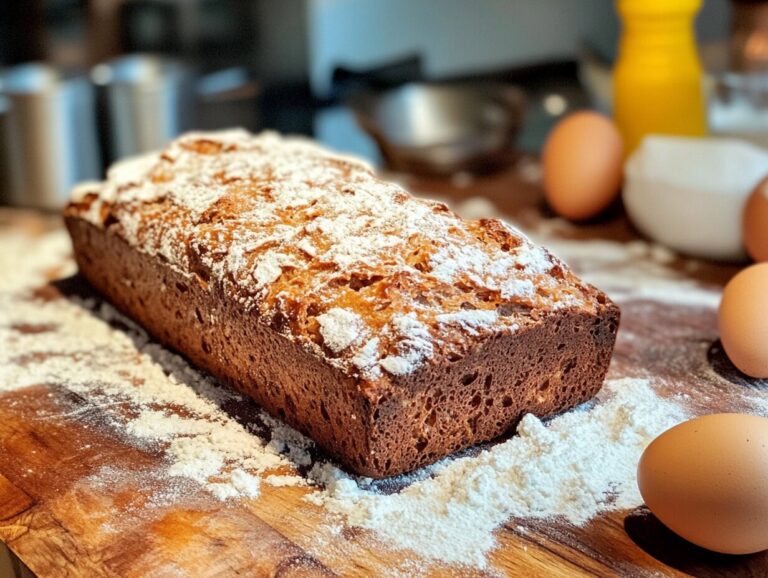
(458, 36)
(454, 36)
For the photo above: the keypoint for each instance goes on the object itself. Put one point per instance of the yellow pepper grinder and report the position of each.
(657, 81)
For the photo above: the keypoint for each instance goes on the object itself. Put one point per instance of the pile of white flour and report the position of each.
(573, 466)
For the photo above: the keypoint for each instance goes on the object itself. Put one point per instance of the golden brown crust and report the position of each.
(240, 251)
(378, 429)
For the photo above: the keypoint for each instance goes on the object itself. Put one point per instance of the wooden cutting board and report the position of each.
(60, 524)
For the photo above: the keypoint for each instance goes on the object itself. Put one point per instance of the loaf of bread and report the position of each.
(386, 328)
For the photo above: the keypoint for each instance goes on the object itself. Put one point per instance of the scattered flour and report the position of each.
(414, 346)
(625, 271)
(572, 467)
(634, 270)
(72, 343)
(77, 349)
(340, 328)
(470, 320)
(577, 465)
(367, 358)
(285, 481)
(24, 260)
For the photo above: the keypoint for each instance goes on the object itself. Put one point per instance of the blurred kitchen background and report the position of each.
(405, 83)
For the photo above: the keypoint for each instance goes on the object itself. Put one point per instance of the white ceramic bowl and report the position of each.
(689, 193)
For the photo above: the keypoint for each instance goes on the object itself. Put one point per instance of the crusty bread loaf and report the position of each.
(387, 328)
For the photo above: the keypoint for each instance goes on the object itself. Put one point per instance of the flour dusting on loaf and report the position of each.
(350, 266)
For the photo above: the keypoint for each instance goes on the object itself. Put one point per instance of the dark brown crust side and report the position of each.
(440, 408)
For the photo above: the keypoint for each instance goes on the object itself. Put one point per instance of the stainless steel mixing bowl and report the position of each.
(442, 128)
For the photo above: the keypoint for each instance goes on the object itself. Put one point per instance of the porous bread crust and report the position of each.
(376, 430)
(300, 237)
(387, 328)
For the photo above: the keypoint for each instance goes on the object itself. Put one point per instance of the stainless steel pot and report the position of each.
(147, 100)
(49, 134)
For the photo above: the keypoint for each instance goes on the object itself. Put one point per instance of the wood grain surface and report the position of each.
(52, 442)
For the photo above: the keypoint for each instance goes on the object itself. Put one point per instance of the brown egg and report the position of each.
(755, 223)
(705, 479)
(582, 165)
(743, 320)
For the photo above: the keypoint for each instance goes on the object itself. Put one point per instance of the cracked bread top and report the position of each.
(352, 267)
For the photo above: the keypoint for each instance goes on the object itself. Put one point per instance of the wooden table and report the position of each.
(55, 522)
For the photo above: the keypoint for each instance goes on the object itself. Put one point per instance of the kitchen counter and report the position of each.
(61, 516)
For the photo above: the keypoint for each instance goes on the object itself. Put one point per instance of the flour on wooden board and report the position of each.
(625, 271)
(574, 466)
(577, 465)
